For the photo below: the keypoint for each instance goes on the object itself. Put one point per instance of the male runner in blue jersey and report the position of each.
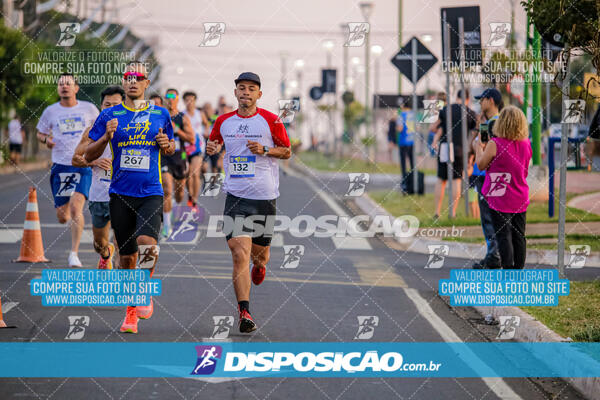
(138, 133)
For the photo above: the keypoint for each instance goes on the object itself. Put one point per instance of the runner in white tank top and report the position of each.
(254, 139)
(101, 176)
(195, 152)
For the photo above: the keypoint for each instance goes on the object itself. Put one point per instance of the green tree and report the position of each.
(14, 85)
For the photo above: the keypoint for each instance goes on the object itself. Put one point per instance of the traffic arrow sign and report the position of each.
(403, 60)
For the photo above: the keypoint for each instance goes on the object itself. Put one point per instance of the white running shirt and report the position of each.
(198, 126)
(66, 125)
(14, 132)
(101, 180)
(247, 175)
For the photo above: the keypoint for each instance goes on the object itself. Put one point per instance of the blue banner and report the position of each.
(303, 359)
(504, 287)
(97, 287)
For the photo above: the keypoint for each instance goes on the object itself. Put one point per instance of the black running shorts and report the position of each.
(240, 207)
(134, 216)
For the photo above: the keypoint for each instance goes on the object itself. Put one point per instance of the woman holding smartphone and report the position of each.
(506, 157)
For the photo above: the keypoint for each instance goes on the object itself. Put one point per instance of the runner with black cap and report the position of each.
(254, 139)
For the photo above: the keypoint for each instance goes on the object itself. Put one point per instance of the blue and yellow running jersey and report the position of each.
(135, 153)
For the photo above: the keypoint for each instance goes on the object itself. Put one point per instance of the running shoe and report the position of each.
(130, 324)
(166, 231)
(258, 274)
(107, 264)
(145, 312)
(74, 261)
(247, 325)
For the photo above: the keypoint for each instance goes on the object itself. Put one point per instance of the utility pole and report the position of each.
(536, 99)
(400, 43)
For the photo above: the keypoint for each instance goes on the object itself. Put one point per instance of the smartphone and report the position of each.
(483, 133)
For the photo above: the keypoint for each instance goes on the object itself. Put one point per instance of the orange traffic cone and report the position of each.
(32, 248)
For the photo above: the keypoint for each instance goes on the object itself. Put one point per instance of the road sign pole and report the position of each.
(450, 170)
(414, 109)
(564, 145)
(463, 111)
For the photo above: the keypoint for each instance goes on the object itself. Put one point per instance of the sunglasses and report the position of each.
(134, 76)
(170, 96)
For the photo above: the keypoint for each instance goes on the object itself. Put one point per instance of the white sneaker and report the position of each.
(74, 260)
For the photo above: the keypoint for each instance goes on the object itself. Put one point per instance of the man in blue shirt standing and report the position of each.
(405, 126)
(138, 133)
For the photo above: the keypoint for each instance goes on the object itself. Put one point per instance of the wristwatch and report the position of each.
(265, 150)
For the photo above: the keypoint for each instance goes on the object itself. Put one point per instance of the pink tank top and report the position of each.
(505, 186)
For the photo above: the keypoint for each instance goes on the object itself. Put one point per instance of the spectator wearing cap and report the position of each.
(491, 104)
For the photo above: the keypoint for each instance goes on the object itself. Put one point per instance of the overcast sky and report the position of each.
(258, 32)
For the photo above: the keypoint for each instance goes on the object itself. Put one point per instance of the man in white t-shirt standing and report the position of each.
(16, 137)
(60, 128)
(254, 139)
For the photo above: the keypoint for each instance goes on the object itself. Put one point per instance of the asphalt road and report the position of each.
(335, 282)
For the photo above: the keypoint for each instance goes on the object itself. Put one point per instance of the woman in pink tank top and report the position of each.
(506, 160)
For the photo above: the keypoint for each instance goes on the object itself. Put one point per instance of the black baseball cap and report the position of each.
(248, 76)
(491, 93)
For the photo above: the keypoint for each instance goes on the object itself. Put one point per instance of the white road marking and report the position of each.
(277, 240)
(87, 236)
(9, 305)
(11, 235)
(351, 243)
(496, 385)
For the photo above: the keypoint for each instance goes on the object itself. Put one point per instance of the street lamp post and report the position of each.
(366, 7)
(377, 50)
(328, 46)
(299, 67)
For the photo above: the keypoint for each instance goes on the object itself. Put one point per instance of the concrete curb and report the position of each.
(459, 249)
(456, 249)
(25, 167)
(529, 330)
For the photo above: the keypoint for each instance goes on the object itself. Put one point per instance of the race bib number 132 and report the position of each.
(241, 166)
